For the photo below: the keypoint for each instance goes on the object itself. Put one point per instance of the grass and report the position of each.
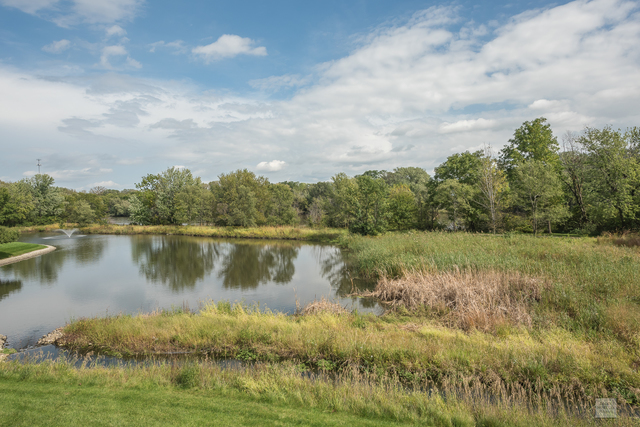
(8, 250)
(325, 235)
(410, 348)
(259, 394)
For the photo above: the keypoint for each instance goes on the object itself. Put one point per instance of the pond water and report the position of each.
(98, 275)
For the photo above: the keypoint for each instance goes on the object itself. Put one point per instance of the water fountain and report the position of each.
(68, 232)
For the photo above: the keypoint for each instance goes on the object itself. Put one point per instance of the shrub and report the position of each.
(8, 235)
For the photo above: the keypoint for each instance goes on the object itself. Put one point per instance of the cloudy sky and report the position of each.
(105, 92)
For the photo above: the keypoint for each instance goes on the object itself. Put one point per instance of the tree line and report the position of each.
(588, 184)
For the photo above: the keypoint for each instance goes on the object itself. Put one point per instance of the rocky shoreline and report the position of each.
(27, 255)
(3, 341)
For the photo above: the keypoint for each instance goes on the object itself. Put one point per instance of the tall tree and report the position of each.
(532, 141)
(540, 192)
(493, 186)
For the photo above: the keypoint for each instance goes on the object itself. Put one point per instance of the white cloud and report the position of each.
(409, 95)
(178, 46)
(72, 12)
(116, 30)
(228, 46)
(272, 166)
(109, 52)
(275, 83)
(57, 47)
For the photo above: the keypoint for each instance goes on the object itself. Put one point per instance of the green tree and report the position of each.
(241, 198)
(493, 187)
(402, 207)
(340, 204)
(531, 141)
(455, 197)
(540, 192)
(47, 200)
(369, 207)
(280, 210)
(16, 203)
(615, 181)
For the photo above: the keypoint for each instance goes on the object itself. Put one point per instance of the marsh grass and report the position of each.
(284, 232)
(483, 300)
(323, 305)
(628, 239)
(409, 347)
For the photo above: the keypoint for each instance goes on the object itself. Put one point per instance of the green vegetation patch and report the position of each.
(409, 348)
(283, 232)
(8, 250)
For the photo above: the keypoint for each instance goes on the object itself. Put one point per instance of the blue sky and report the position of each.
(106, 92)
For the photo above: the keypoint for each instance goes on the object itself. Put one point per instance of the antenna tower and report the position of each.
(39, 165)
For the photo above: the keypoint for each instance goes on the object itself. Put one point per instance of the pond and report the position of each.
(98, 275)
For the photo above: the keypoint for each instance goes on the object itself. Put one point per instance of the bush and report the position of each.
(8, 235)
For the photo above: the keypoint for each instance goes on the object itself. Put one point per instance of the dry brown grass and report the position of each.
(323, 306)
(480, 300)
(625, 239)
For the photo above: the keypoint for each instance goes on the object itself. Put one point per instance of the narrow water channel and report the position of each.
(98, 275)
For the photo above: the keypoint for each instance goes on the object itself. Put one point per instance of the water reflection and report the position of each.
(45, 269)
(8, 287)
(246, 266)
(175, 261)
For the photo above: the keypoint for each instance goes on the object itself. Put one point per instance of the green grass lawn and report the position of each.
(32, 403)
(8, 250)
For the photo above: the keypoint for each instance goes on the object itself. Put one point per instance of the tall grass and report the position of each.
(592, 290)
(284, 232)
(410, 348)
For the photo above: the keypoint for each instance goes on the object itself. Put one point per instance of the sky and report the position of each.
(105, 93)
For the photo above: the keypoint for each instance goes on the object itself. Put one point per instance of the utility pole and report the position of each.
(38, 165)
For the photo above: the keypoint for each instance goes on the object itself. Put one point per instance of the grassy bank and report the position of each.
(8, 250)
(261, 394)
(326, 235)
(411, 349)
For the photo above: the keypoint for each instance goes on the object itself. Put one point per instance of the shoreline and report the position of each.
(28, 255)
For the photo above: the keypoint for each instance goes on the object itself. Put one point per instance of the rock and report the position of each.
(3, 340)
(50, 338)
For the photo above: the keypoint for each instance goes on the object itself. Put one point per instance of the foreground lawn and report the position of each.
(33, 403)
(8, 250)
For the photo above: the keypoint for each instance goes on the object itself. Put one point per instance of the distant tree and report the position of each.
(241, 198)
(16, 203)
(539, 189)
(531, 141)
(340, 205)
(369, 206)
(575, 174)
(402, 207)
(47, 200)
(455, 197)
(616, 181)
(280, 210)
(494, 188)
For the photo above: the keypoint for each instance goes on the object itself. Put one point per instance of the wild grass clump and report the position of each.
(267, 232)
(468, 300)
(323, 306)
(628, 239)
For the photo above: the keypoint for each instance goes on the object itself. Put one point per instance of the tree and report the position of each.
(340, 205)
(540, 192)
(615, 185)
(241, 198)
(280, 210)
(47, 200)
(402, 207)
(574, 174)
(531, 141)
(455, 196)
(493, 186)
(369, 206)
(16, 203)
(420, 184)
(463, 167)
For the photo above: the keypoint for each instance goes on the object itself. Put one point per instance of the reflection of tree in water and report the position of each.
(8, 287)
(45, 268)
(177, 261)
(246, 266)
(335, 269)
